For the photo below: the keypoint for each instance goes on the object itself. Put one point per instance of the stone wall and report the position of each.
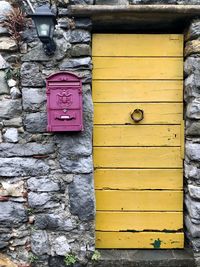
(47, 202)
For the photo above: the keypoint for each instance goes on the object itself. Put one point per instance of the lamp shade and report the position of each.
(45, 22)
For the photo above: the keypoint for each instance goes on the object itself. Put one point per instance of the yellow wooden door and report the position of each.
(138, 165)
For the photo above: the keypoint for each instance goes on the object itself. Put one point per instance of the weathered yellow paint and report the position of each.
(154, 113)
(138, 221)
(137, 91)
(146, 200)
(139, 240)
(137, 157)
(109, 68)
(138, 166)
(137, 135)
(127, 45)
(139, 179)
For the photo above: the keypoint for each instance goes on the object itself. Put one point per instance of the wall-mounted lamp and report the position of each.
(45, 22)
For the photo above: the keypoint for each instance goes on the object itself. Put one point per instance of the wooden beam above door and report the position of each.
(137, 17)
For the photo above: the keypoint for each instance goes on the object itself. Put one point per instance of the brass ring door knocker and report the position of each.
(137, 115)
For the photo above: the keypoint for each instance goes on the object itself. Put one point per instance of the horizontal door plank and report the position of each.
(139, 240)
(149, 200)
(154, 113)
(137, 91)
(109, 68)
(137, 45)
(137, 135)
(138, 179)
(137, 157)
(138, 221)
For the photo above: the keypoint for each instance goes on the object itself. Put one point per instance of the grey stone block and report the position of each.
(12, 214)
(192, 66)
(38, 199)
(194, 191)
(31, 75)
(193, 128)
(5, 8)
(25, 150)
(4, 89)
(78, 63)
(151, 2)
(193, 151)
(40, 242)
(34, 99)
(192, 87)
(36, 122)
(81, 196)
(76, 164)
(11, 135)
(11, 167)
(10, 108)
(55, 222)
(80, 50)
(60, 246)
(193, 208)
(193, 109)
(77, 36)
(111, 2)
(193, 31)
(43, 185)
(81, 2)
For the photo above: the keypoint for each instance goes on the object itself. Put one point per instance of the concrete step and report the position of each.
(146, 258)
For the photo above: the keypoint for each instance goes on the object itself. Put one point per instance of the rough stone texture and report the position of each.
(77, 36)
(15, 93)
(192, 87)
(193, 129)
(193, 151)
(80, 50)
(4, 87)
(193, 109)
(192, 47)
(3, 64)
(80, 63)
(36, 200)
(111, 2)
(25, 150)
(10, 108)
(11, 167)
(7, 44)
(81, 2)
(5, 8)
(81, 195)
(31, 75)
(194, 191)
(36, 122)
(34, 99)
(39, 242)
(150, 2)
(6, 262)
(56, 222)
(15, 122)
(11, 135)
(194, 30)
(60, 246)
(192, 66)
(12, 214)
(43, 185)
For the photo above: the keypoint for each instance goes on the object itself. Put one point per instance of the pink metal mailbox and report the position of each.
(64, 103)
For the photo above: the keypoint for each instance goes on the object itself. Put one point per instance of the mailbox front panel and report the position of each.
(64, 103)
